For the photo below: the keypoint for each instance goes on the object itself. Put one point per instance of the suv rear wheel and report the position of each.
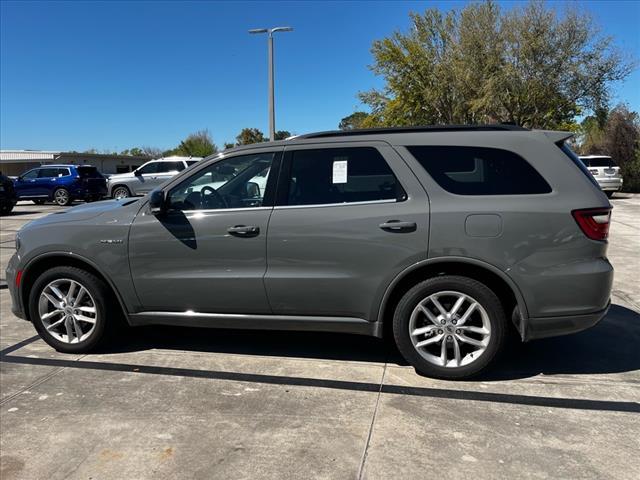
(449, 327)
(62, 197)
(68, 307)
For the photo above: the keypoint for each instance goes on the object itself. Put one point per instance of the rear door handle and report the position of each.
(398, 226)
(244, 231)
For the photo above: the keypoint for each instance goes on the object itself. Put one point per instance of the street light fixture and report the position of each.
(272, 114)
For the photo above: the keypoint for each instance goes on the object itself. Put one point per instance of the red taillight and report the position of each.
(18, 277)
(594, 222)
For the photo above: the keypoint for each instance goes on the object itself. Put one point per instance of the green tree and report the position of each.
(355, 120)
(529, 66)
(198, 144)
(282, 134)
(248, 136)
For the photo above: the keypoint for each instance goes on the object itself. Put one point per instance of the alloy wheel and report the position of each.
(449, 329)
(62, 197)
(67, 311)
(120, 192)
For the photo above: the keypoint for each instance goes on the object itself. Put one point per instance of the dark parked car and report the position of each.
(446, 238)
(7, 195)
(62, 184)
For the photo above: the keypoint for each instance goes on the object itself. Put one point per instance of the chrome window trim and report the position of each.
(342, 204)
(214, 210)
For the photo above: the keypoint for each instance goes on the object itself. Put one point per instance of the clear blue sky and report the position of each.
(114, 75)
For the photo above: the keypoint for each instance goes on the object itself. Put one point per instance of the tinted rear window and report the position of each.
(89, 172)
(599, 162)
(479, 170)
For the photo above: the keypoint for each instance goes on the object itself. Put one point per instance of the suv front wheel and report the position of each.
(68, 308)
(449, 327)
(120, 192)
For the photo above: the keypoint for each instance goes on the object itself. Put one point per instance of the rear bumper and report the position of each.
(609, 184)
(556, 326)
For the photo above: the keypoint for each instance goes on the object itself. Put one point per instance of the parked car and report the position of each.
(605, 171)
(8, 197)
(61, 183)
(147, 177)
(447, 238)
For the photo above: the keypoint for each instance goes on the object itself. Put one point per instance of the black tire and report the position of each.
(101, 296)
(6, 209)
(609, 193)
(39, 201)
(467, 286)
(62, 197)
(122, 188)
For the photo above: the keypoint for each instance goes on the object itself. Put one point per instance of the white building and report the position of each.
(16, 162)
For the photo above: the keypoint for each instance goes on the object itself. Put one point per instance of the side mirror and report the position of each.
(253, 190)
(157, 204)
(137, 173)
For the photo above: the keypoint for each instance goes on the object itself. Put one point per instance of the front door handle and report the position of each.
(244, 231)
(398, 226)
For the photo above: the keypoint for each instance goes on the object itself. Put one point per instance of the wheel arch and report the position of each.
(498, 281)
(47, 261)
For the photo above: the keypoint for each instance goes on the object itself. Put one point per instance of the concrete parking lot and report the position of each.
(169, 403)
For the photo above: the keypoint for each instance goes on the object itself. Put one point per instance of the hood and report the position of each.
(83, 212)
(120, 176)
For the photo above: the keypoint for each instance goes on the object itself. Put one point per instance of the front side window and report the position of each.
(479, 170)
(237, 182)
(341, 175)
(33, 174)
(149, 168)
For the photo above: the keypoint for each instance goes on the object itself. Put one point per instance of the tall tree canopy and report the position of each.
(248, 136)
(198, 144)
(355, 120)
(529, 66)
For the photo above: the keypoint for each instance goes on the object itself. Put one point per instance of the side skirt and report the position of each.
(258, 322)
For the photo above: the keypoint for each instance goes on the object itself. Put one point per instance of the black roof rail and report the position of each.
(426, 128)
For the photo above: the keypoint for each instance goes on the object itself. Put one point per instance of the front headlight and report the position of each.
(17, 241)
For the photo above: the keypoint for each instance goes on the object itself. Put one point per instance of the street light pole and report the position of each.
(272, 113)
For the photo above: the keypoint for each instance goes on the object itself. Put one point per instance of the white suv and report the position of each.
(147, 177)
(605, 171)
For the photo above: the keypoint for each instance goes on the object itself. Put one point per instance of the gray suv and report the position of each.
(445, 238)
(147, 177)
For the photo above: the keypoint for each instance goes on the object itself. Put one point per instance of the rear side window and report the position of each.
(479, 170)
(164, 167)
(48, 172)
(191, 162)
(341, 175)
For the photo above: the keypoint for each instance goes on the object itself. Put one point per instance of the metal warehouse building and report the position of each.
(16, 162)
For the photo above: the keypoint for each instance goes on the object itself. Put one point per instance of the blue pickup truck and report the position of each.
(61, 184)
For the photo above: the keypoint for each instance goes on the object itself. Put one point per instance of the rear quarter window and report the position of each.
(479, 170)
